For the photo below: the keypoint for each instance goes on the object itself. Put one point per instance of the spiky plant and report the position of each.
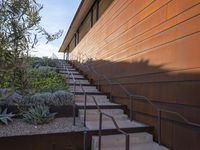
(39, 115)
(5, 117)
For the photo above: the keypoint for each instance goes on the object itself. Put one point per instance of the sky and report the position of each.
(56, 15)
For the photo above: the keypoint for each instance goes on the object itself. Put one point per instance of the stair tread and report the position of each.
(79, 76)
(70, 81)
(74, 73)
(89, 90)
(108, 111)
(143, 146)
(96, 118)
(99, 103)
(119, 139)
(89, 97)
(108, 124)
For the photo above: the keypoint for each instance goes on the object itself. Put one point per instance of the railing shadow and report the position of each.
(110, 72)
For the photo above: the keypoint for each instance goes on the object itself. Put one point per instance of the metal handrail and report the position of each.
(127, 137)
(130, 95)
(100, 120)
(74, 92)
(159, 110)
(85, 100)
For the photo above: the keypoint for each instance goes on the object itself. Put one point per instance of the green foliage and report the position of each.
(44, 80)
(5, 117)
(19, 31)
(5, 81)
(36, 62)
(62, 98)
(5, 93)
(58, 98)
(39, 115)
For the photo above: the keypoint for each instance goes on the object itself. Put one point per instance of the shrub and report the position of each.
(5, 117)
(38, 115)
(44, 80)
(37, 62)
(62, 98)
(58, 98)
(15, 98)
(5, 81)
(5, 93)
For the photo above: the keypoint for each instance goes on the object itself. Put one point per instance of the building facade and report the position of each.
(150, 47)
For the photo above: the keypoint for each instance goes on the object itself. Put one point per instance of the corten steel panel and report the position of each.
(152, 48)
(85, 27)
(103, 5)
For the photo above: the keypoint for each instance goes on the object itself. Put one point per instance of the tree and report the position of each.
(19, 32)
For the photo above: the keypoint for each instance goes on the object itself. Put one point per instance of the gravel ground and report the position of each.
(59, 125)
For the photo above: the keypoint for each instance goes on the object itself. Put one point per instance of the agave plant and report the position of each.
(39, 115)
(5, 117)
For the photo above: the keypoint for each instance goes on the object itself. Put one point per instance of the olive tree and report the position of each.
(19, 32)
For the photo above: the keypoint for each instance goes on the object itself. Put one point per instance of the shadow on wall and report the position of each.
(176, 90)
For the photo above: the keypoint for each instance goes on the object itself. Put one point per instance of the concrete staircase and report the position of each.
(138, 141)
(110, 139)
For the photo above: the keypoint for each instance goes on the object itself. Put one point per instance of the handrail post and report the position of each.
(111, 92)
(131, 106)
(98, 84)
(100, 129)
(127, 146)
(85, 140)
(85, 103)
(159, 126)
(74, 106)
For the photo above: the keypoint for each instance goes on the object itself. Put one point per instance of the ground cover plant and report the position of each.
(26, 80)
(45, 80)
(38, 115)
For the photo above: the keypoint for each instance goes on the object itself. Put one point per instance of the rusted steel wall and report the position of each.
(152, 47)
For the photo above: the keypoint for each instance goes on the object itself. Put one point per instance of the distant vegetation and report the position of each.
(26, 80)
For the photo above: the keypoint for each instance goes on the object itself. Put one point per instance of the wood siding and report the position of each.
(151, 47)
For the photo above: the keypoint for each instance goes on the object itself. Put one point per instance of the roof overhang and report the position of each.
(82, 11)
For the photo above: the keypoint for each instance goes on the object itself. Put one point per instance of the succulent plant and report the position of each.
(39, 115)
(5, 117)
(58, 98)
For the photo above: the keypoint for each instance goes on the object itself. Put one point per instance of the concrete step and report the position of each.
(108, 104)
(66, 73)
(112, 112)
(108, 124)
(63, 72)
(70, 81)
(98, 98)
(75, 73)
(89, 89)
(144, 146)
(72, 69)
(118, 140)
(78, 76)
(63, 68)
(92, 117)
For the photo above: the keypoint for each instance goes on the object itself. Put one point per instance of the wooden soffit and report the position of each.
(82, 11)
